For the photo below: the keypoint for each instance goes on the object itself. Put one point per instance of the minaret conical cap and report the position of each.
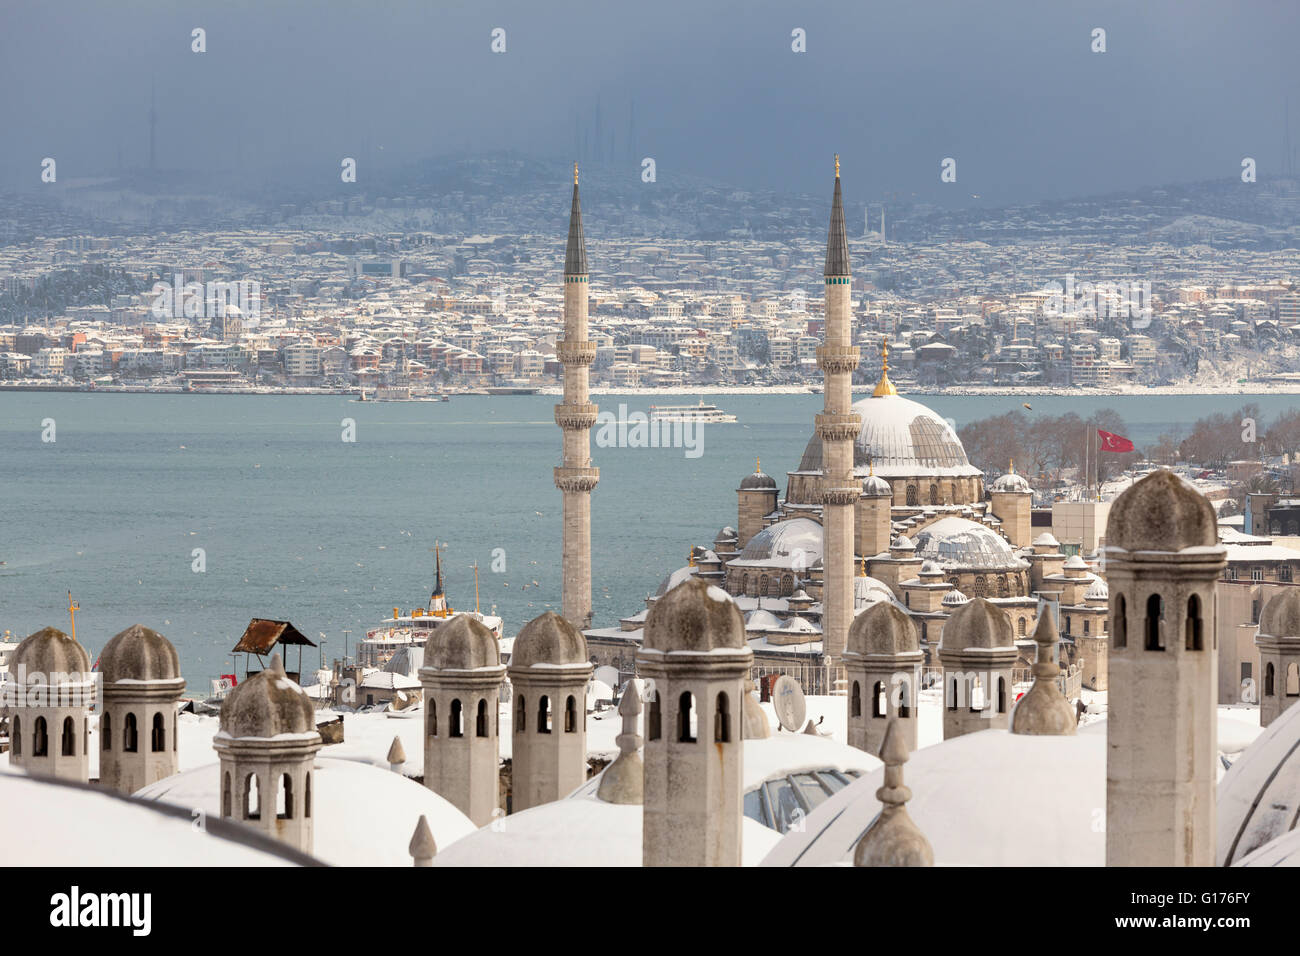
(837, 238)
(575, 253)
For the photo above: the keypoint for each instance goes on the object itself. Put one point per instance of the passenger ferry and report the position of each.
(689, 413)
(413, 629)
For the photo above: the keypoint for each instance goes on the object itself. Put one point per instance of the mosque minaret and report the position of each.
(838, 426)
(576, 477)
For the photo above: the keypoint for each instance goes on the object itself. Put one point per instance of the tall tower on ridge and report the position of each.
(838, 426)
(576, 477)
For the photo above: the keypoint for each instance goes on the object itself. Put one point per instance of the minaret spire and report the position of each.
(838, 427)
(884, 386)
(575, 415)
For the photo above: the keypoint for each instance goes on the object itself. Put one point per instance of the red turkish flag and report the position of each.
(1113, 442)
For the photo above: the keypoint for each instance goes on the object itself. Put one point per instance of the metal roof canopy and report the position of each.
(262, 634)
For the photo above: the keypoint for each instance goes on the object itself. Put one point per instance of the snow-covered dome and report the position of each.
(1075, 563)
(1097, 591)
(930, 569)
(795, 541)
(868, 590)
(267, 704)
(799, 625)
(546, 641)
(1284, 851)
(959, 543)
(49, 651)
(1046, 539)
(348, 829)
(1259, 797)
(758, 481)
(902, 543)
(1161, 512)
(139, 654)
(1011, 483)
(900, 438)
(762, 620)
(955, 598)
(873, 486)
(674, 579)
(990, 798)
(463, 644)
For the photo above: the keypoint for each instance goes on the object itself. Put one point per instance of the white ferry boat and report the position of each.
(413, 628)
(690, 413)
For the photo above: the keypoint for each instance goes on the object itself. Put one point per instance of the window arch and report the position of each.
(225, 794)
(69, 741)
(981, 586)
(934, 494)
(1002, 695)
(1268, 679)
(433, 717)
(521, 714)
(284, 798)
(722, 720)
(904, 699)
(952, 694)
(654, 720)
(481, 719)
(40, 738)
(1293, 680)
(855, 700)
(306, 796)
(974, 701)
(252, 798)
(130, 735)
(106, 732)
(878, 706)
(571, 715)
(1120, 635)
(787, 585)
(762, 584)
(17, 736)
(544, 714)
(1193, 627)
(158, 736)
(1154, 637)
(1020, 626)
(686, 718)
(456, 722)
(912, 499)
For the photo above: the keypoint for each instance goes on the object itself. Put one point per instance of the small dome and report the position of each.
(1046, 539)
(1281, 615)
(978, 624)
(464, 644)
(797, 540)
(49, 651)
(725, 534)
(1097, 591)
(139, 653)
(883, 629)
(868, 590)
(267, 704)
(903, 543)
(1075, 563)
(758, 482)
(873, 486)
(762, 620)
(930, 569)
(548, 639)
(694, 616)
(1162, 512)
(955, 598)
(674, 579)
(799, 596)
(1258, 800)
(961, 543)
(1011, 482)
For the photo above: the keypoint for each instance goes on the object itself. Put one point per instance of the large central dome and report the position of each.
(900, 438)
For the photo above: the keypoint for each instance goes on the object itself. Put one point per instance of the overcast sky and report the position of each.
(1011, 90)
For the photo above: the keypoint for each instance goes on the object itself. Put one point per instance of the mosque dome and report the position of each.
(959, 543)
(875, 486)
(977, 624)
(795, 542)
(1161, 512)
(1047, 540)
(141, 654)
(762, 620)
(548, 640)
(49, 651)
(463, 644)
(1075, 563)
(900, 438)
(267, 704)
(868, 590)
(674, 579)
(1097, 591)
(903, 543)
(758, 481)
(955, 598)
(1259, 797)
(1036, 806)
(1011, 483)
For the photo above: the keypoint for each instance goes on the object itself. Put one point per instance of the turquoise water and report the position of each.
(297, 524)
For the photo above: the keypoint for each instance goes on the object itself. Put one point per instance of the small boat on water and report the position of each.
(690, 413)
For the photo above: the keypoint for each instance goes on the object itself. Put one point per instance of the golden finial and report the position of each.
(73, 608)
(884, 386)
(690, 558)
(758, 466)
(837, 165)
(1012, 469)
(575, 174)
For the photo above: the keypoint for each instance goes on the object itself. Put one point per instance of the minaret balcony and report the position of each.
(838, 358)
(576, 479)
(576, 353)
(836, 426)
(841, 496)
(575, 416)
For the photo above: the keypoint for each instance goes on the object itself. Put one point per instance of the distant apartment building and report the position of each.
(49, 361)
(302, 362)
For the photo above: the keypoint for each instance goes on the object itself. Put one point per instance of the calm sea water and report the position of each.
(297, 524)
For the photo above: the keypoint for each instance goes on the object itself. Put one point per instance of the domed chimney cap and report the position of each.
(463, 644)
(695, 616)
(977, 624)
(49, 651)
(1162, 512)
(139, 653)
(267, 704)
(1281, 615)
(882, 629)
(548, 639)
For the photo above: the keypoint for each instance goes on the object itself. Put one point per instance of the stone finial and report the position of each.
(396, 755)
(893, 839)
(754, 722)
(1044, 709)
(624, 780)
(422, 848)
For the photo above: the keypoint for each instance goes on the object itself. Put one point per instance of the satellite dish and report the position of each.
(789, 703)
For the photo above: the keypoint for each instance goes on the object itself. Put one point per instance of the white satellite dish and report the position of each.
(789, 703)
